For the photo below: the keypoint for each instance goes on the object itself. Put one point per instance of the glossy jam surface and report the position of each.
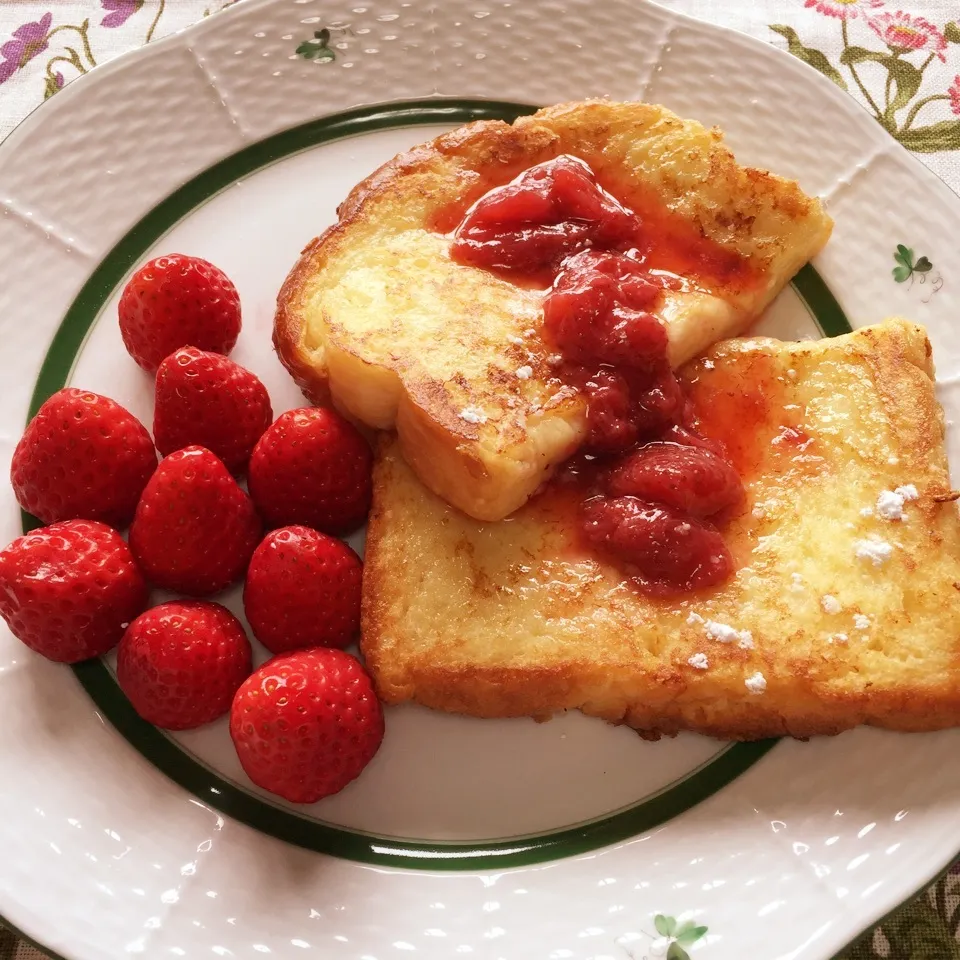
(548, 212)
(597, 311)
(691, 479)
(670, 550)
(626, 407)
(749, 415)
(647, 481)
(587, 208)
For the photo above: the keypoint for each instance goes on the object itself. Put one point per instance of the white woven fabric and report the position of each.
(916, 32)
(112, 27)
(913, 47)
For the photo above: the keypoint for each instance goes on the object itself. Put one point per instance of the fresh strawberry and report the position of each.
(306, 723)
(178, 301)
(181, 663)
(194, 529)
(204, 398)
(82, 456)
(312, 467)
(303, 590)
(69, 590)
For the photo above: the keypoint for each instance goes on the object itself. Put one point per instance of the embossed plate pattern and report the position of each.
(103, 854)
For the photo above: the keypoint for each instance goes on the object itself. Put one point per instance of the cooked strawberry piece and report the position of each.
(692, 479)
(547, 213)
(597, 312)
(671, 551)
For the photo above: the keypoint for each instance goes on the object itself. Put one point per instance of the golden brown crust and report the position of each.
(288, 324)
(484, 143)
(540, 694)
(657, 162)
(498, 620)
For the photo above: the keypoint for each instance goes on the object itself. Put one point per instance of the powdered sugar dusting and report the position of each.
(525, 373)
(756, 683)
(473, 415)
(721, 631)
(890, 502)
(874, 549)
(890, 505)
(724, 633)
(699, 661)
(830, 604)
(861, 621)
(908, 491)
(838, 638)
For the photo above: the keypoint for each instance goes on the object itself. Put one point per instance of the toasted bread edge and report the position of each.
(900, 363)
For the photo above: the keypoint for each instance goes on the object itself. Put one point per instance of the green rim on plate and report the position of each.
(234, 800)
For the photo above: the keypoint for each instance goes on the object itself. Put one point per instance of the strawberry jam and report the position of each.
(670, 550)
(649, 482)
(548, 212)
(597, 312)
(691, 479)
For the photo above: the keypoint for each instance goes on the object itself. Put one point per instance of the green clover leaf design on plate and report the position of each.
(906, 266)
(317, 48)
(674, 938)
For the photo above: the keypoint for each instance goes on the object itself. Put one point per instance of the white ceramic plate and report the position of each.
(498, 839)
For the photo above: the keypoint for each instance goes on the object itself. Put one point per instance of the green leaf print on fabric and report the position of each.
(920, 934)
(890, 76)
(816, 58)
(944, 135)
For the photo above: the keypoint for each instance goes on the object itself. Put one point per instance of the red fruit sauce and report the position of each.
(549, 211)
(648, 481)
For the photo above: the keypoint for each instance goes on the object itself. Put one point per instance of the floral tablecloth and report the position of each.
(901, 63)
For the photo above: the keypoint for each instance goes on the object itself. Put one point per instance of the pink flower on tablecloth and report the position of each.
(903, 33)
(954, 93)
(121, 11)
(27, 41)
(844, 9)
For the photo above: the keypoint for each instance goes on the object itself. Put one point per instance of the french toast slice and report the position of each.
(839, 613)
(378, 318)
